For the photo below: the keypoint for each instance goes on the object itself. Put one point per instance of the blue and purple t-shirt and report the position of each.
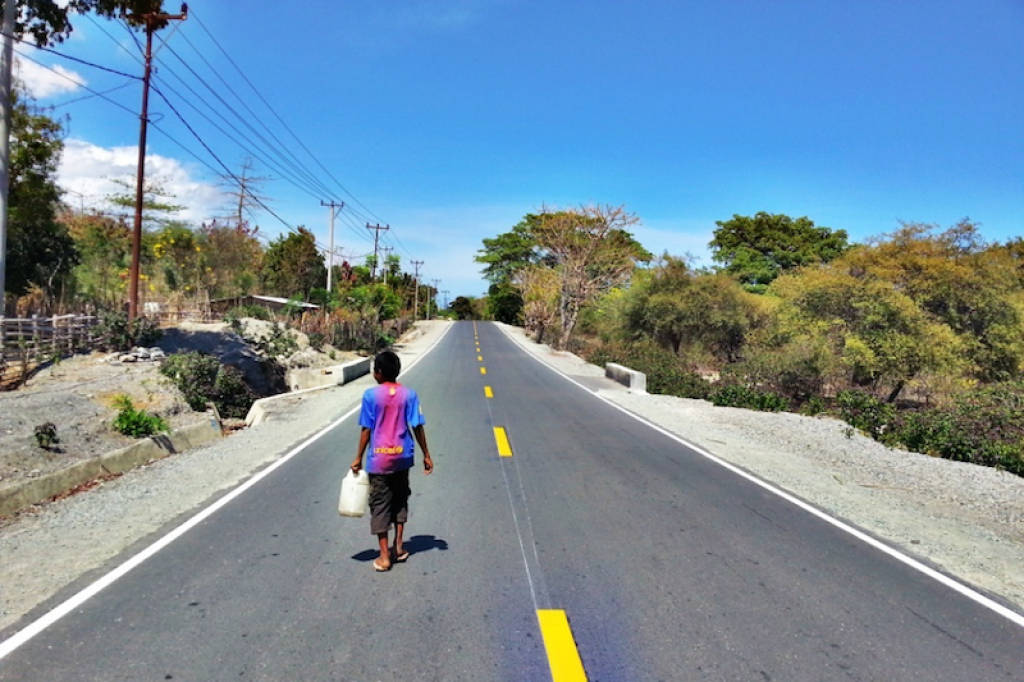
(390, 411)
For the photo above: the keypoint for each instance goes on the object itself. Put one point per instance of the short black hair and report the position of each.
(388, 364)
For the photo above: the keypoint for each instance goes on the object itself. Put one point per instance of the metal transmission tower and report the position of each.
(330, 246)
(153, 20)
(377, 229)
(416, 288)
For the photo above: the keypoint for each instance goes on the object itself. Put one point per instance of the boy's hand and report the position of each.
(356, 465)
(428, 464)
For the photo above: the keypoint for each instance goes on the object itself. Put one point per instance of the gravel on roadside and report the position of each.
(967, 520)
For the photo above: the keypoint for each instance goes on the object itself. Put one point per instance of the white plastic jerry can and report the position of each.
(355, 494)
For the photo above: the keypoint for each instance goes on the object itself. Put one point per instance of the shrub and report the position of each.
(814, 406)
(317, 340)
(278, 343)
(134, 422)
(866, 412)
(46, 435)
(984, 426)
(665, 372)
(739, 395)
(120, 334)
(247, 310)
(202, 379)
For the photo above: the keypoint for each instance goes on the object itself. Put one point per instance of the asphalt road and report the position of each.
(665, 565)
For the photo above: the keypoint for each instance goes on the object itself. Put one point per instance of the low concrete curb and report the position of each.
(24, 493)
(635, 381)
(323, 377)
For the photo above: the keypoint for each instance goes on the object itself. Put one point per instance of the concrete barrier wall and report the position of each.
(21, 494)
(305, 378)
(632, 379)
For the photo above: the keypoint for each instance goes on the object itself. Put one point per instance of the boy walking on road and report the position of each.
(391, 415)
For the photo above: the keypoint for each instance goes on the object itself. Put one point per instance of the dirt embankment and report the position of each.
(78, 394)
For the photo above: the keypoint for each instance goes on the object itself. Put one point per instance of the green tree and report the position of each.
(758, 249)
(504, 303)
(105, 247)
(508, 253)
(463, 308)
(959, 280)
(676, 306)
(49, 21)
(231, 262)
(293, 265)
(40, 250)
(878, 334)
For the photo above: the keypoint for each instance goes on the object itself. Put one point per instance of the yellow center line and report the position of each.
(480, 358)
(488, 393)
(563, 657)
(501, 439)
(483, 370)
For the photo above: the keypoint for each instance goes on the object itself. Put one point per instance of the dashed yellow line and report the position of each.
(480, 358)
(563, 657)
(488, 393)
(501, 440)
(483, 370)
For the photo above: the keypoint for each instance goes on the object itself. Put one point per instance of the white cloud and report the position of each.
(43, 82)
(87, 172)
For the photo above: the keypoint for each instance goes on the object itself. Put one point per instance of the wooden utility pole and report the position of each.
(6, 64)
(416, 288)
(152, 21)
(377, 229)
(330, 245)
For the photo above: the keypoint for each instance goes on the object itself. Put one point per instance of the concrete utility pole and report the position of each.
(6, 64)
(445, 292)
(387, 254)
(151, 19)
(416, 288)
(376, 236)
(330, 244)
(433, 296)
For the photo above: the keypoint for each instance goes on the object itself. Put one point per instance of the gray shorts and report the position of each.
(389, 500)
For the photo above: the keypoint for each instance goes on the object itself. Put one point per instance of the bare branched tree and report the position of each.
(593, 251)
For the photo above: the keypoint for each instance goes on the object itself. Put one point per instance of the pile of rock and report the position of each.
(139, 354)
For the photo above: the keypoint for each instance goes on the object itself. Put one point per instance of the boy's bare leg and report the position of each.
(384, 560)
(399, 527)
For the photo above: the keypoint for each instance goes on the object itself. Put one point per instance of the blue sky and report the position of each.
(450, 120)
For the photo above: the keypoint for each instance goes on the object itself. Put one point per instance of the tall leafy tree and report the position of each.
(508, 253)
(293, 266)
(758, 249)
(39, 249)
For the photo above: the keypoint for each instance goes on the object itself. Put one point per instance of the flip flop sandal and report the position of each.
(402, 557)
(380, 569)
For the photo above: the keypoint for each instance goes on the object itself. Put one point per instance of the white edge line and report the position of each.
(955, 585)
(73, 602)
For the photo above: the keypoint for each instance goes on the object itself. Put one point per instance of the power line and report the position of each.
(80, 84)
(74, 59)
(115, 40)
(267, 104)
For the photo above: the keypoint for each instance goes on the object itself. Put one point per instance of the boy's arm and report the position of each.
(364, 440)
(421, 438)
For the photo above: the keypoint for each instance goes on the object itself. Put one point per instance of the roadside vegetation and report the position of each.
(915, 337)
(67, 258)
